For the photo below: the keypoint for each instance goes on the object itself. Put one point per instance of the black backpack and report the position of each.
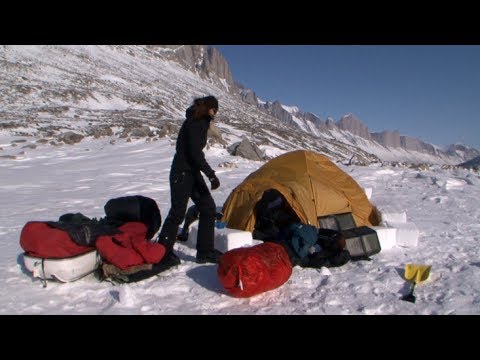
(135, 208)
(272, 214)
(330, 252)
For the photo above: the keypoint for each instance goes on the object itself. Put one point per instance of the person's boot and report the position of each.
(212, 256)
(170, 259)
(183, 236)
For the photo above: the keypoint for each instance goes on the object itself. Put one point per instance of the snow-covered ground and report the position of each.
(46, 182)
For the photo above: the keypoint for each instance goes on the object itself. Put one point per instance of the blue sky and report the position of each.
(431, 92)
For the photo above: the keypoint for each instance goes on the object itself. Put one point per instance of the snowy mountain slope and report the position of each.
(46, 91)
(350, 130)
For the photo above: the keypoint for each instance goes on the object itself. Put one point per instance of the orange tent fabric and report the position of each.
(312, 184)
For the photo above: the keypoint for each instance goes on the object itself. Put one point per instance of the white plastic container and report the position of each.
(387, 236)
(368, 192)
(225, 239)
(407, 233)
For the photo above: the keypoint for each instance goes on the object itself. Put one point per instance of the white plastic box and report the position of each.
(407, 233)
(225, 239)
(387, 236)
(368, 192)
(392, 213)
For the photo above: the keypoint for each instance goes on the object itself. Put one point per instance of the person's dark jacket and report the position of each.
(191, 140)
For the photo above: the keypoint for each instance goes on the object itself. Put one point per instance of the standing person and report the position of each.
(186, 181)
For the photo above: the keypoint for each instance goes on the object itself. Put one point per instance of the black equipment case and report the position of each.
(361, 242)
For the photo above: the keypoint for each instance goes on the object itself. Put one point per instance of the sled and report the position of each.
(64, 269)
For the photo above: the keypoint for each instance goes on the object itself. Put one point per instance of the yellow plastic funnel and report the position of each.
(415, 273)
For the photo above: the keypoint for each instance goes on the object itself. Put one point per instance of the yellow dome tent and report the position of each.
(312, 185)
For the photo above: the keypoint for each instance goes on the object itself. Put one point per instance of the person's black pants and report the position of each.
(185, 185)
(191, 215)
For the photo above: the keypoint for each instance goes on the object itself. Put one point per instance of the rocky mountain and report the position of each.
(462, 151)
(350, 128)
(471, 164)
(208, 63)
(52, 95)
(388, 138)
(352, 124)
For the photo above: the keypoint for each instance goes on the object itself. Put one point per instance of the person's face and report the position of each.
(212, 112)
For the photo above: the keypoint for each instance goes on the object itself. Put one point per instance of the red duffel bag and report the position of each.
(39, 239)
(245, 272)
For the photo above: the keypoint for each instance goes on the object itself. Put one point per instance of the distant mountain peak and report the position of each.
(352, 124)
(291, 109)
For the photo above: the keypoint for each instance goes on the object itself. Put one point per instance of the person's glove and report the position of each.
(215, 183)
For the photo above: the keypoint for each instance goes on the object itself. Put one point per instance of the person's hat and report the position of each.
(211, 102)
